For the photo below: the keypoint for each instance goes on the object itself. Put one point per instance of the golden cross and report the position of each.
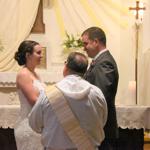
(137, 9)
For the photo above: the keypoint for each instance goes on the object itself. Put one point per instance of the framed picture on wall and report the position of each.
(43, 64)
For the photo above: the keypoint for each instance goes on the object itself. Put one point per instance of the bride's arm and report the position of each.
(25, 84)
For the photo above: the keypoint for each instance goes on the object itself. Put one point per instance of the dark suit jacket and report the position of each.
(104, 74)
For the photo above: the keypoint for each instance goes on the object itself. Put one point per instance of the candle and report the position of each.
(132, 92)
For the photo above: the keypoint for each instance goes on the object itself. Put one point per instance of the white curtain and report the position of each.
(144, 82)
(46, 3)
(114, 17)
(17, 18)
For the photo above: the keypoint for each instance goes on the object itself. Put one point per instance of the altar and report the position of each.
(131, 117)
(132, 121)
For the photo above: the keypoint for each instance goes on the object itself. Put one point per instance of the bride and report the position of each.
(29, 87)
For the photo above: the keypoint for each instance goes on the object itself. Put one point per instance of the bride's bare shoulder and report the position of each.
(23, 73)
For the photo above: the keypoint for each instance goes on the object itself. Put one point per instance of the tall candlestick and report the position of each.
(139, 11)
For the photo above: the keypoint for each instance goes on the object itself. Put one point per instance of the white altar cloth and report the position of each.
(8, 115)
(132, 117)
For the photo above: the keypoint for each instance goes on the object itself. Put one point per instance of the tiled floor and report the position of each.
(147, 140)
(147, 146)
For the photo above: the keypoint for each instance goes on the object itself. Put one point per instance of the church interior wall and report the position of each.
(120, 41)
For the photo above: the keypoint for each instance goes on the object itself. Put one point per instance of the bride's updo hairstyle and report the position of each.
(24, 48)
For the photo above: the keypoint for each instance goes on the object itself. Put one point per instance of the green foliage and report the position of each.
(71, 43)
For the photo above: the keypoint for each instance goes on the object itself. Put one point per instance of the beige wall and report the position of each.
(118, 24)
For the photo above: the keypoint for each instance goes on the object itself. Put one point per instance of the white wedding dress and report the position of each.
(26, 138)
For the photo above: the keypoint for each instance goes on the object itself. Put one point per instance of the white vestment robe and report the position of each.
(87, 103)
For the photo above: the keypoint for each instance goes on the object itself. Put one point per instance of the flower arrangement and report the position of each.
(71, 43)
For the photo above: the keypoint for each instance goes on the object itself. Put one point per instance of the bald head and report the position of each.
(77, 63)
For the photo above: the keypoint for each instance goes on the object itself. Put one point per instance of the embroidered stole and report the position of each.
(68, 120)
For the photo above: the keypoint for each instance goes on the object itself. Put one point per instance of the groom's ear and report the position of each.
(96, 41)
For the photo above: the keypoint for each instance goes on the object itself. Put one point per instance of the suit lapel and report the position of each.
(93, 64)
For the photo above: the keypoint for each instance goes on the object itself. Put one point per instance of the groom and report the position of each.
(73, 113)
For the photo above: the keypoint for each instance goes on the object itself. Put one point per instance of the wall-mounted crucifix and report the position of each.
(139, 10)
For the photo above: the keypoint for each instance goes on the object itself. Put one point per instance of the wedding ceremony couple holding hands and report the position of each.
(69, 115)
